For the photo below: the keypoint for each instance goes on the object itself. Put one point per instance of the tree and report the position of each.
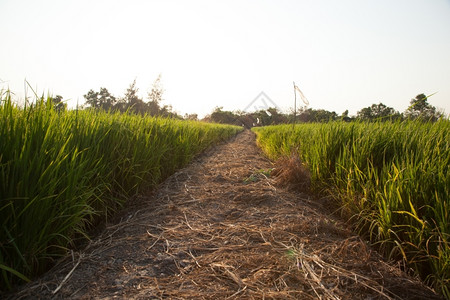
(166, 111)
(132, 101)
(155, 97)
(377, 112)
(100, 100)
(316, 115)
(345, 117)
(365, 114)
(420, 109)
(92, 99)
(58, 104)
(245, 119)
(322, 115)
(191, 117)
(276, 117)
(224, 117)
(263, 118)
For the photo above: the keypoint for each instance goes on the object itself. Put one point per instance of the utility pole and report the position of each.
(296, 89)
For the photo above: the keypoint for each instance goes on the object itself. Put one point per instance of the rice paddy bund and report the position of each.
(391, 179)
(62, 172)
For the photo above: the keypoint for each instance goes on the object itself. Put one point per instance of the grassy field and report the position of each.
(392, 179)
(62, 172)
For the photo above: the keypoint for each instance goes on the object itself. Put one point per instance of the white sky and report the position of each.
(345, 54)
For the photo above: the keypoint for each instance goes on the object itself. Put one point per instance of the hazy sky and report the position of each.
(342, 54)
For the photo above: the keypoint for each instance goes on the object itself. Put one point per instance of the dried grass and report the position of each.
(291, 173)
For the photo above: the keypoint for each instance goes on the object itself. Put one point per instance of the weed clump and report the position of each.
(290, 172)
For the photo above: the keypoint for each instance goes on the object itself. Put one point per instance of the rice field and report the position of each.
(391, 179)
(62, 172)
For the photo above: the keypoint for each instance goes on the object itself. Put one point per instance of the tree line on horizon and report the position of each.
(419, 108)
(131, 102)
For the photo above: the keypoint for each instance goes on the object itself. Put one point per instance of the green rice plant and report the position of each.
(62, 172)
(393, 178)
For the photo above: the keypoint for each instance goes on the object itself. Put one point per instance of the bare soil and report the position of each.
(222, 228)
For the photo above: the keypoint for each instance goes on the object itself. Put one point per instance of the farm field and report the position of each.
(61, 173)
(223, 228)
(222, 224)
(391, 179)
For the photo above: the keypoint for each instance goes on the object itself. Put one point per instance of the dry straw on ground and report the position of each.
(291, 173)
(223, 229)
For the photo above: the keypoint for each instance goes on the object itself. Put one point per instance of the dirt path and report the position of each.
(220, 229)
